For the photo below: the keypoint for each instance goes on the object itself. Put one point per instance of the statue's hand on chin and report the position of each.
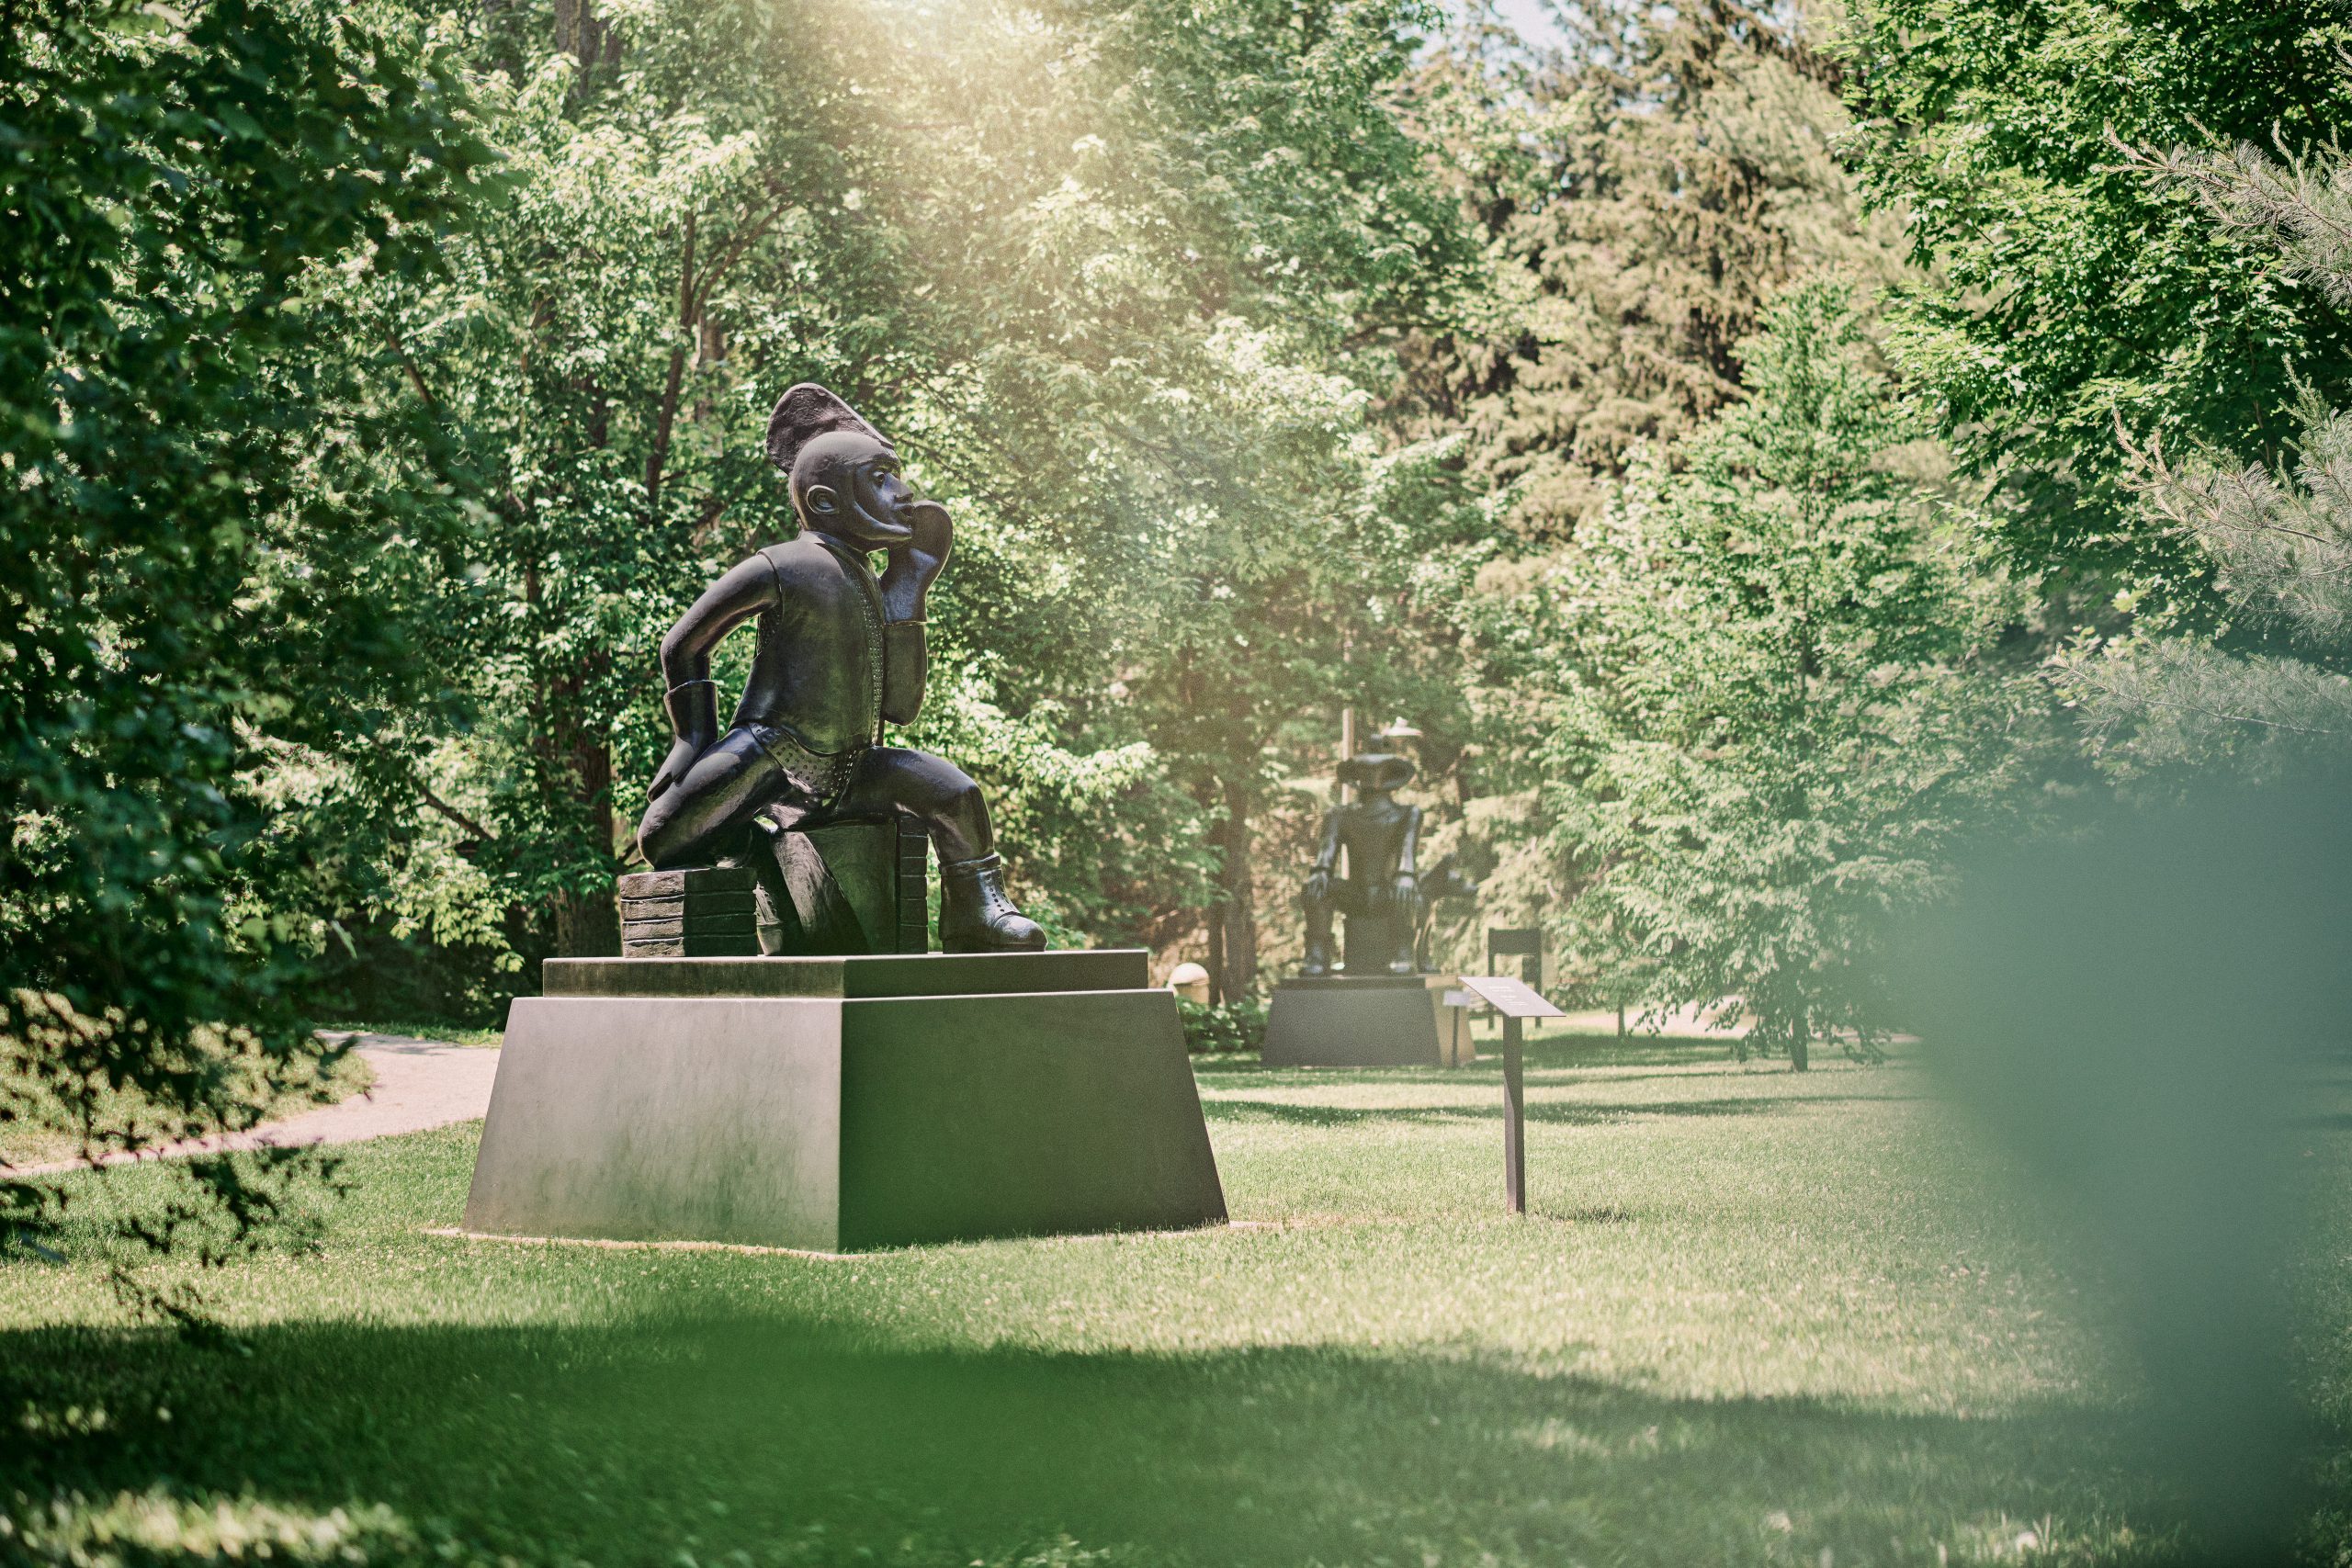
(916, 565)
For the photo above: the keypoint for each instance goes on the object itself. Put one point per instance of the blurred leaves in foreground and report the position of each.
(2135, 1003)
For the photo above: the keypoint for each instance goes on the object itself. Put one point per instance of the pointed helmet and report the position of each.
(805, 413)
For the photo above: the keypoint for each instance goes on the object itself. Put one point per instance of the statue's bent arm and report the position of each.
(1408, 842)
(914, 566)
(1327, 853)
(1327, 860)
(692, 700)
(727, 603)
(905, 664)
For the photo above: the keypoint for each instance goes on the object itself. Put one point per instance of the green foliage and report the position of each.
(1215, 1027)
(1642, 195)
(2071, 291)
(54, 1120)
(676, 224)
(1766, 724)
(1182, 234)
(195, 553)
(1113, 278)
(2279, 543)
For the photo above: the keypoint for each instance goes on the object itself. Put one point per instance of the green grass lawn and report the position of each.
(1753, 1318)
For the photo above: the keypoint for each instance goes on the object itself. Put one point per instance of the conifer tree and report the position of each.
(2072, 291)
(1643, 190)
(2278, 537)
(1763, 719)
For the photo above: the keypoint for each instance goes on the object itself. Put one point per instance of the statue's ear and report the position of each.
(822, 500)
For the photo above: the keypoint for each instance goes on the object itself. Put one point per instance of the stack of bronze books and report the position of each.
(702, 912)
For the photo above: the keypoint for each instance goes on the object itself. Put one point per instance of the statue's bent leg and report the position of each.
(975, 914)
(942, 796)
(701, 817)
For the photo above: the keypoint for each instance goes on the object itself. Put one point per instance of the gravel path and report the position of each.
(418, 1084)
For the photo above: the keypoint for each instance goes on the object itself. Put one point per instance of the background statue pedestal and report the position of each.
(836, 1104)
(1368, 1021)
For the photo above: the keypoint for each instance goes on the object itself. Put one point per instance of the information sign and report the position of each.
(1515, 1000)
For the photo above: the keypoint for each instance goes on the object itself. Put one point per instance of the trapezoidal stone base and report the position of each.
(841, 1104)
(1366, 1020)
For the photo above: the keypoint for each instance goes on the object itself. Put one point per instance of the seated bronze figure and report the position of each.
(1381, 895)
(838, 652)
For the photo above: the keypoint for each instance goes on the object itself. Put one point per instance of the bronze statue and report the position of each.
(839, 651)
(1381, 895)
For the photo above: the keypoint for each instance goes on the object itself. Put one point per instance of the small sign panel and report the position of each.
(1513, 998)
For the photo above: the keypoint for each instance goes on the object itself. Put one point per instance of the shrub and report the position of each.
(1222, 1026)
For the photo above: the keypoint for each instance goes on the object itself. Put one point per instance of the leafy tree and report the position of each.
(2278, 540)
(194, 544)
(1765, 717)
(1111, 276)
(1187, 233)
(2073, 292)
(677, 241)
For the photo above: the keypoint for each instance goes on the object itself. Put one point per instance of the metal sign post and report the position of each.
(1515, 1000)
(1514, 1119)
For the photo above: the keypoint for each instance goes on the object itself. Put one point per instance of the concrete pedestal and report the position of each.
(837, 1104)
(1366, 1020)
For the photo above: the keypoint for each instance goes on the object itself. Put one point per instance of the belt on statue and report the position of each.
(820, 776)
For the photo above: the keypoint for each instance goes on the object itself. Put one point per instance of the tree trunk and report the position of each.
(574, 765)
(1238, 915)
(1799, 1059)
(583, 35)
(587, 925)
(1213, 918)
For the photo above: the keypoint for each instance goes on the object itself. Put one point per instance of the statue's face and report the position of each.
(849, 486)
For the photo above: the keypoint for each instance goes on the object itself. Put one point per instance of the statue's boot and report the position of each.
(974, 915)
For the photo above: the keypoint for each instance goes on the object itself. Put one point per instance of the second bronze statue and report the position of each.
(1381, 895)
(838, 652)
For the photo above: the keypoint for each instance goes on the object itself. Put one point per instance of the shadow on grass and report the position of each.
(785, 1443)
(1607, 1051)
(1548, 1112)
(1565, 1051)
